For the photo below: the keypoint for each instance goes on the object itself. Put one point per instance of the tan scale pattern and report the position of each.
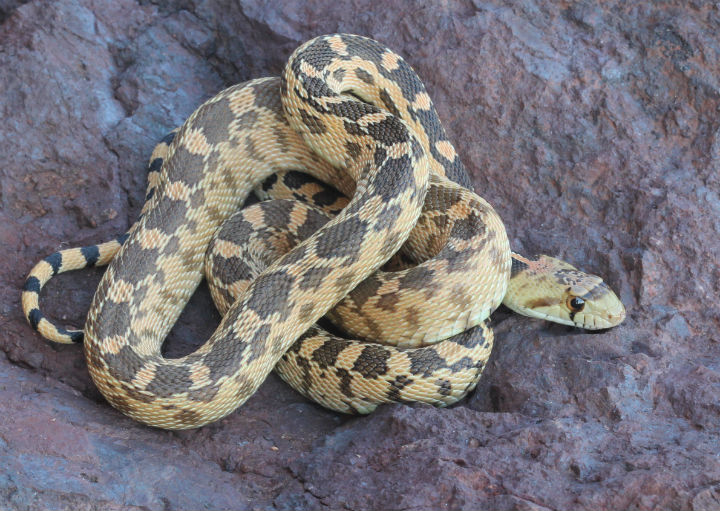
(228, 147)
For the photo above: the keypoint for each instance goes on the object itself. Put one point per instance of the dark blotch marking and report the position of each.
(390, 213)
(468, 227)
(77, 336)
(389, 130)
(124, 364)
(231, 269)
(276, 213)
(186, 166)
(462, 364)
(457, 261)
(353, 149)
(353, 128)
(313, 221)
(396, 386)
(138, 395)
(444, 387)
(326, 197)
(425, 361)
(418, 277)
(169, 137)
(364, 76)
(517, 267)
(316, 87)
(366, 289)
(372, 362)
(365, 49)
(187, 416)
(388, 301)
(326, 355)
(236, 228)
(339, 74)
(314, 124)
(314, 277)
(296, 180)
(169, 380)
(389, 103)
(319, 54)
(395, 176)
(306, 310)
(296, 255)
(470, 338)
(269, 182)
(270, 294)
(54, 260)
(258, 342)
(227, 353)
(34, 317)
(32, 284)
(343, 239)
(222, 117)
(542, 302)
(91, 254)
(352, 110)
(247, 119)
(345, 381)
(155, 165)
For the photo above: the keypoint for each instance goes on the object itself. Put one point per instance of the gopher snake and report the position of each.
(364, 111)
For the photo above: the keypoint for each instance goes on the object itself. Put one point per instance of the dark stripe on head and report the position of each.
(122, 239)
(91, 254)
(32, 284)
(54, 260)
(34, 317)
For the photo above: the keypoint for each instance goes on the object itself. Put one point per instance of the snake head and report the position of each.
(551, 289)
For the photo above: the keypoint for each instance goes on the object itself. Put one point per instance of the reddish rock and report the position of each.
(592, 128)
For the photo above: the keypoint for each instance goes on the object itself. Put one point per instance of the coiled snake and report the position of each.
(352, 113)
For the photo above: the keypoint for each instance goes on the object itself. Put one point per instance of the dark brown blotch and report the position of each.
(326, 355)
(270, 294)
(314, 124)
(425, 361)
(372, 361)
(314, 277)
(388, 301)
(169, 381)
(364, 76)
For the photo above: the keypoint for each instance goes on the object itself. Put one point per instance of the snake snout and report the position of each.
(616, 316)
(608, 314)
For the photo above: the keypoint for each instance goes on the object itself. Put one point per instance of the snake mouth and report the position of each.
(592, 322)
(603, 322)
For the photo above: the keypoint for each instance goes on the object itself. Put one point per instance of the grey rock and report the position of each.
(593, 130)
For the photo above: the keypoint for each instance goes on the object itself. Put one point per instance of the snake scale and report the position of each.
(349, 112)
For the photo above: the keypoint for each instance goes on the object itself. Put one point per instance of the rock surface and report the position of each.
(592, 127)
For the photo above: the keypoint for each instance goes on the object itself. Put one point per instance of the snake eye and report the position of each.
(575, 303)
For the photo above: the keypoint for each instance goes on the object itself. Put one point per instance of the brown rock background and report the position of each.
(592, 127)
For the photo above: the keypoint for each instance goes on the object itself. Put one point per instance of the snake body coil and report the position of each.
(352, 113)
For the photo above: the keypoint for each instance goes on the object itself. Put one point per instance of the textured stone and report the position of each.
(593, 128)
